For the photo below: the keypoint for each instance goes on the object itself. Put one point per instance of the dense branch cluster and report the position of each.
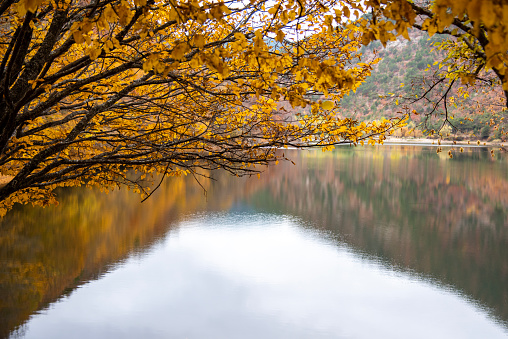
(92, 91)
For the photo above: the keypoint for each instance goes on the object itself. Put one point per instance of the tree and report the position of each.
(93, 91)
(474, 38)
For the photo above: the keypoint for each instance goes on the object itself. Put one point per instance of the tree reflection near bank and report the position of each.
(410, 208)
(47, 252)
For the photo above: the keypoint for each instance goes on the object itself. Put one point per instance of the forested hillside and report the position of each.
(404, 69)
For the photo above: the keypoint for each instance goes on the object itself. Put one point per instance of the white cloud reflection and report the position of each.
(258, 276)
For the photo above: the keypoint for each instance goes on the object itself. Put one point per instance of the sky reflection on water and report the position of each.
(255, 275)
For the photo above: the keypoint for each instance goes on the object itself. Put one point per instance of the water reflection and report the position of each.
(45, 253)
(386, 210)
(257, 276)
(413, 209)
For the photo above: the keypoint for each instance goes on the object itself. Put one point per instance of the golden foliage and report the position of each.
(94, 92)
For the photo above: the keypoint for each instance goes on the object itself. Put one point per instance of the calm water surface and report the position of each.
(387, 242)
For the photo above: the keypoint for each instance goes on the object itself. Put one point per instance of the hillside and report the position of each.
(398, 77)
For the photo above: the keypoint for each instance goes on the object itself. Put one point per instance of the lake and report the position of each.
(360, 242)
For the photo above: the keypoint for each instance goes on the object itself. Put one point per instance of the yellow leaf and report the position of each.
(199, 41)
(345, 12)
(327, 105)
(140, 3)
(280, 36)
(179, 51)
(21, 8)
(432, 29)
(78, 37)
(94, 52)
(31, 5)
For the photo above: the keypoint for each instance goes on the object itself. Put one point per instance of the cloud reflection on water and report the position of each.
(258, 276)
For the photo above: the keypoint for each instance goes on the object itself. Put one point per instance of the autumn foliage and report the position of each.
(93, 91)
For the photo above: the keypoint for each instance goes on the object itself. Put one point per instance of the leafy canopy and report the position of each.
(94, 91)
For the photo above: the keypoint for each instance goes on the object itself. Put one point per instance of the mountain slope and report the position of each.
(399, 77)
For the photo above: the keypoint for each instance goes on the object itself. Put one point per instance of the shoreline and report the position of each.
(391, 141)
(436, 142)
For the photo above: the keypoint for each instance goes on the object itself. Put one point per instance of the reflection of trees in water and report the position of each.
(445, 219)
(47, 252)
